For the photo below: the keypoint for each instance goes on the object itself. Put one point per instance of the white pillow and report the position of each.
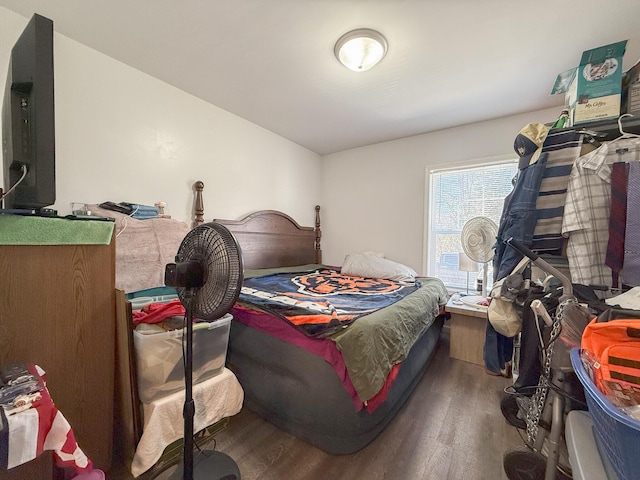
(375, 254)
(372, 266)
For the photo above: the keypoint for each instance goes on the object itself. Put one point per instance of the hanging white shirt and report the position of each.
(586, 218)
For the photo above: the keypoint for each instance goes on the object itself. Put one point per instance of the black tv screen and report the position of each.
(28, 120)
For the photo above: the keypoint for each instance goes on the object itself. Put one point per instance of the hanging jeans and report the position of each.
(518, 217)
(497, 350)
(518, 221)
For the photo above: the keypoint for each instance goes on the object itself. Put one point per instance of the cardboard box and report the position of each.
(593, 89)
(633, 99)
(631, 90)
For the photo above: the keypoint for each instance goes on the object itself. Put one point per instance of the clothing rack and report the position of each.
(605, 130)
(562, 147)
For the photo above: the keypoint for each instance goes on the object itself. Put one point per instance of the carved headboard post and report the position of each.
(318, 236)
(198, 204)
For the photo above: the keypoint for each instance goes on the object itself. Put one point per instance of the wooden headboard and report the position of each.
(269, 238)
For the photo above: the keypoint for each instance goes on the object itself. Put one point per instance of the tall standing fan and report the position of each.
(478, 238)
(208, 275)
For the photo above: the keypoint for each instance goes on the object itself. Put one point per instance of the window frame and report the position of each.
(428, 244)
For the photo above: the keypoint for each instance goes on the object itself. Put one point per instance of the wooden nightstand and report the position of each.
(468, 326)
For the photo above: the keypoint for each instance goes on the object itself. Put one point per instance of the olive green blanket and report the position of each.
(374, 343)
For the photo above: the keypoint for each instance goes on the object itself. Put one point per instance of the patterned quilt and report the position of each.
(322, 302)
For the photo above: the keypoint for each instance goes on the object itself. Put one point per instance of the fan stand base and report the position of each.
(209, 465)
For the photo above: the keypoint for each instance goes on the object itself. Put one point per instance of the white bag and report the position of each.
(501, 312)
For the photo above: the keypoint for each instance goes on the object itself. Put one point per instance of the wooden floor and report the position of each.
(451, 428)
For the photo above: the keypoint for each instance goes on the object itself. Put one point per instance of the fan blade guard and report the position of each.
(478, 238)
(216, 249)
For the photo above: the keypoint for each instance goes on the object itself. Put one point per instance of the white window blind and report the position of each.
(457, 195)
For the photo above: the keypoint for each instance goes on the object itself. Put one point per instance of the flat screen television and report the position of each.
(28, 120)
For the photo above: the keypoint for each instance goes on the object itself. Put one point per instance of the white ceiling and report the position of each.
(450, 62)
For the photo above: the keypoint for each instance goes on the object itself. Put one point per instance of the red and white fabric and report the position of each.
(42, 427)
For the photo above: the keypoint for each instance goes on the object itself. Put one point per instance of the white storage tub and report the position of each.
(160, 363)
(138, 303)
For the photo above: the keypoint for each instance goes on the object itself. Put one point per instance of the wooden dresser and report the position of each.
(57, 309)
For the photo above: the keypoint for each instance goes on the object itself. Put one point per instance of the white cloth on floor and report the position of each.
(215, 398)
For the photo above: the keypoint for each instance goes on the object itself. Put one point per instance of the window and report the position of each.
(457, 195)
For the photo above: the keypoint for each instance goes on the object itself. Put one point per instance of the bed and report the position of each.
(306, 385)
(310, 386)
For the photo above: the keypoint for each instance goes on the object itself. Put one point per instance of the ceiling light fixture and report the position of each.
(361, 49)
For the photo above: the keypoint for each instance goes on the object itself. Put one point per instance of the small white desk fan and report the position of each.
(478, 238)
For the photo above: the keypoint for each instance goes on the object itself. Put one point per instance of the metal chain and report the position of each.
(540, 396)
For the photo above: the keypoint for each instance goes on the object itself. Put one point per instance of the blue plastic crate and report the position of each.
(619, 434)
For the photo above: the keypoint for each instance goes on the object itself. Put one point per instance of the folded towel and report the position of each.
(25, 230)
(143, 208)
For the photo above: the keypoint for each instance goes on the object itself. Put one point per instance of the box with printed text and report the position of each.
(593, 89)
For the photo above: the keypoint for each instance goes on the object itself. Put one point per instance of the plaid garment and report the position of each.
(586, 218)
(586, 214)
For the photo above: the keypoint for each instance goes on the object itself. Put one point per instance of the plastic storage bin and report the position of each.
(160, 363)
(618, 434)
(142, 298)
(138, 302)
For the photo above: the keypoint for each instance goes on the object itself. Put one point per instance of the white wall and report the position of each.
(125, 136)
(122, 135)
(373, 197)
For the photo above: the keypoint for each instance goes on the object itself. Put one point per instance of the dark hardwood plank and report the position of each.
(450, 429)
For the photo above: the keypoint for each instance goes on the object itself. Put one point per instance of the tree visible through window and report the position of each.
(456, 196)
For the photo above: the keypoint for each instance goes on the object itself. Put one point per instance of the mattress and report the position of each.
(300, 392)
(339, 392)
